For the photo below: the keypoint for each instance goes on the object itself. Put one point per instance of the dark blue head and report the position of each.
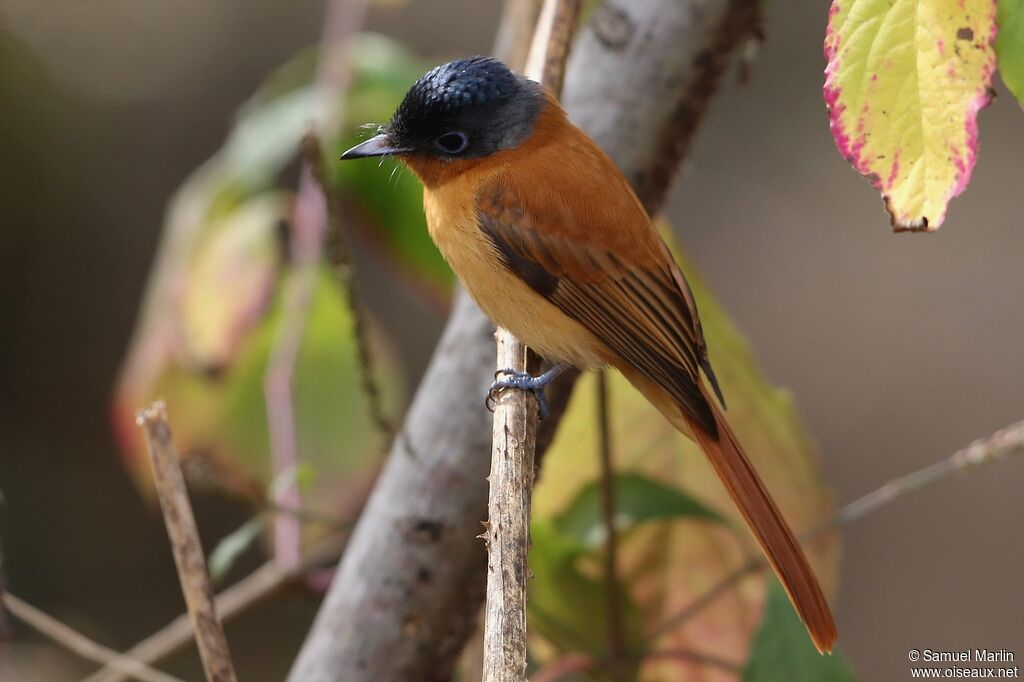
(464, 109)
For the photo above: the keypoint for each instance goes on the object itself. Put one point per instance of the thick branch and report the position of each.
(410, 585)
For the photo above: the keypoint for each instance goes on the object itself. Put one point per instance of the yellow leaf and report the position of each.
(904, 83)
(230, 282)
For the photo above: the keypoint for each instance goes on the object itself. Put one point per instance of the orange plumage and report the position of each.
(551, 241)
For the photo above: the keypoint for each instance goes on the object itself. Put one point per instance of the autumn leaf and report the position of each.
(211, 311)
(904, 82)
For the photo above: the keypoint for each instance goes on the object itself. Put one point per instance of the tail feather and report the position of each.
(755, 503)
(771, 530)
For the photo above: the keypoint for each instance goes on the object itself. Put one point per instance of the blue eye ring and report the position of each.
(453, 142)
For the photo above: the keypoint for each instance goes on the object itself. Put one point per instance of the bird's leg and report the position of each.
(511, 378)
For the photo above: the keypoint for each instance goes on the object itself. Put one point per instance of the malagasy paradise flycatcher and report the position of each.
(551, 241)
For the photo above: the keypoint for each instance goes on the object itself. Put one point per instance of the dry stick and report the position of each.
(80, 644)
(250, 590)
(515, 427)
(613, 590)
(1007, 441)
(309, 218)
(185, 544)
(508, 527)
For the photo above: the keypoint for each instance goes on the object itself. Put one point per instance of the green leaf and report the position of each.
(227, 551)
(566, 606)
(1010, 46)
(637, 499)
(388, 193)
(783, 651)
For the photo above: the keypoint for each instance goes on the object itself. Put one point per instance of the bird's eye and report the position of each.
(453, 143)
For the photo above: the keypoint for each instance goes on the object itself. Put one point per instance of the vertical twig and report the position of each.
(613, 587)
(185, 544)
(308, 222)
(515, 31)
(340, 258)
(515, 427)
(508, 526)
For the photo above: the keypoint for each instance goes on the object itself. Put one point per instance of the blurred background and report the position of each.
(898, 349)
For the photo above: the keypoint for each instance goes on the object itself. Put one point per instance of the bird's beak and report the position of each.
(378, 145)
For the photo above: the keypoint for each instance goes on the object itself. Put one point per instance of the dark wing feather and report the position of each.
(639, 307)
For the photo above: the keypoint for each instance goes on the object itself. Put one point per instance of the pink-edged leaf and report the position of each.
(904, 83)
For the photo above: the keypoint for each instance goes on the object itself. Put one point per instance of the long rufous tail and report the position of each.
(748, 492)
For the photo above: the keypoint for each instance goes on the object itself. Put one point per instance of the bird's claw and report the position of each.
(522, 381)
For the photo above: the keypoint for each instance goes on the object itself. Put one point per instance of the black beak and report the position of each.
(378, 145)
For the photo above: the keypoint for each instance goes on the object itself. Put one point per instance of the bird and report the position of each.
(549, 238)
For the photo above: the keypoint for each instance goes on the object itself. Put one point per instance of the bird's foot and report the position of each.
(511, 378)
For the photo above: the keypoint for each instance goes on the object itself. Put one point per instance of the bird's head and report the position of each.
(465, 109)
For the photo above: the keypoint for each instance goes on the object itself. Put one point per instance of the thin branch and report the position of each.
(691, 657)
(310, 517)
(515, 31)
(340, 257)
(614, 615)
(1003, 443)
(308, 221)
(507, 530)
(240, 597)
(580, 663)
(74, 641)
(185, 544)
(515, 427)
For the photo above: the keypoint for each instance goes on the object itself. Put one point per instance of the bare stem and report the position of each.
(308, 222)
(1005, 442)
(515, 427)
(579, 663)
(185, 544)
(613, 586)
(78, 643)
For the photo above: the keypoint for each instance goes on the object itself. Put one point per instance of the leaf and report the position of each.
(667, 565)
(387, 192)
(637, 499)
(782, 651)
(1010, 46)
(233, 545)
(211, 311)
(230, 281)
(904, 83)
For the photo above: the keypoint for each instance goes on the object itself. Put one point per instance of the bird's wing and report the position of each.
(617, 280)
